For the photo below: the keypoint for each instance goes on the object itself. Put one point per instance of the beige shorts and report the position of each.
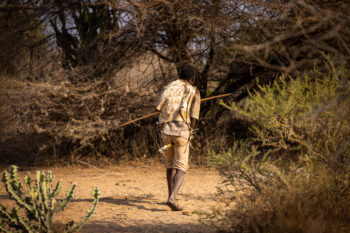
(177, 155)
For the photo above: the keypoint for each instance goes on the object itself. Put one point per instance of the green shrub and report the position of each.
(295, 170)
(296, 115)
(40, 206)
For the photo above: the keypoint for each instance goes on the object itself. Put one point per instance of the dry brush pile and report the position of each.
(62, 119)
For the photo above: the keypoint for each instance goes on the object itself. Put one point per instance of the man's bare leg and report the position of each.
(170, 174)
(177, 182)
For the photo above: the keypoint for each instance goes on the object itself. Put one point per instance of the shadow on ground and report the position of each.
(149, 228)
(130, 201)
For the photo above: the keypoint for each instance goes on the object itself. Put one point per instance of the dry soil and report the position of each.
(133, 198)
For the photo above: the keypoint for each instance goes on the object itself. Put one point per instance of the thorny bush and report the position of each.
(53, 121)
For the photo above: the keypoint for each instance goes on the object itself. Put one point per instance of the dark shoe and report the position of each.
(174, 206)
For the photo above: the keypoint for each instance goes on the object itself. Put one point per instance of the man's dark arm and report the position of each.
(193, 122)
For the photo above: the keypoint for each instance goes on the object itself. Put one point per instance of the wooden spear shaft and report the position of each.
(216, 97)
(156, 113)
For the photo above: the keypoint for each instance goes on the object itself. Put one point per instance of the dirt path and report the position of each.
(133, 198)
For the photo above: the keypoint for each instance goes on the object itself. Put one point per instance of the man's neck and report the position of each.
(186, 81)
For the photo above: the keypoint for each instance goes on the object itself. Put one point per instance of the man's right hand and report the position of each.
(159, 126)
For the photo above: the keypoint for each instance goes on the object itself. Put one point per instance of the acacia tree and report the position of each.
(184, 31)
(232, 37)
(289, 36)
(96, 33)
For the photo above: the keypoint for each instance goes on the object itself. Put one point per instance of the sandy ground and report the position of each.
(133, 198)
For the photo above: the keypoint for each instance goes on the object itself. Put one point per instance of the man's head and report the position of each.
(188, 73)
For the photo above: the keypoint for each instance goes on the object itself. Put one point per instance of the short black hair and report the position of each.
(187, 72)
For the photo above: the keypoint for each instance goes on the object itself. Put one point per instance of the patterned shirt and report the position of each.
(178, 102)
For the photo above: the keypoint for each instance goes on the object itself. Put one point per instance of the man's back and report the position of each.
(179, 102)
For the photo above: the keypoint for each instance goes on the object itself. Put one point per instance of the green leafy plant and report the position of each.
(34, 212)
(288, 113)
(294, 171)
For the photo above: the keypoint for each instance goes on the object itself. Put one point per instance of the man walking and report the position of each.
(179, 106)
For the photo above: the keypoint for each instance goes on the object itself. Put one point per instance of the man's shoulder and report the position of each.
(180, 86)
(197, 91)
(177, 82)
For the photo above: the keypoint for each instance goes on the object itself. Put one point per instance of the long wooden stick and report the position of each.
(138, 119)
(216, 97)
(156, 113)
